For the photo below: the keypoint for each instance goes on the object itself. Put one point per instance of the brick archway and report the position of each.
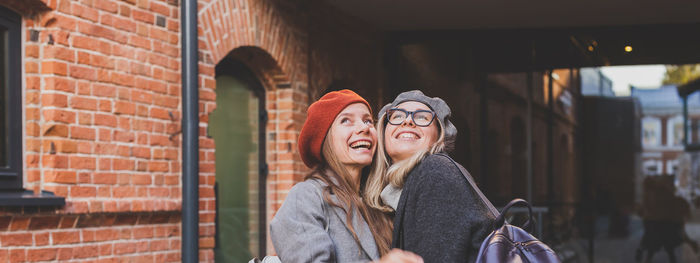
(228, 25)
(272, 45)
(263, 65)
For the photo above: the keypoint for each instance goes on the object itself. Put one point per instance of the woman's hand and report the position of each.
(400, 256)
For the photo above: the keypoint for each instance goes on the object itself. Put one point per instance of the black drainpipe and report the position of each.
(190, 133)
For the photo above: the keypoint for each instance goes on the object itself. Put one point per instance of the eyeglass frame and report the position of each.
(409, 113)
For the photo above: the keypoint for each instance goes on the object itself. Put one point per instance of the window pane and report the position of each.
(3, 99)
(10, 100)
(234, 127)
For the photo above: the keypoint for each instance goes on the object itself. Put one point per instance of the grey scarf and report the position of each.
(390, 195)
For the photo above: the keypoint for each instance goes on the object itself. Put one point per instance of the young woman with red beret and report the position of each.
(324, 218)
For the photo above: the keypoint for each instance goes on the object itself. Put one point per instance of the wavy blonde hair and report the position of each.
(340, 183)
(383, 172)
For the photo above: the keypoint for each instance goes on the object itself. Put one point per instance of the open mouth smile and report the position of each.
(361, 144)
(407, 135)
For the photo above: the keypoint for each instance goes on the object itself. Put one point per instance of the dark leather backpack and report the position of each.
(508, 243)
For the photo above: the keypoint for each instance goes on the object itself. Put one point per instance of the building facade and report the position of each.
(662, 127)
(93, 108)
(99, 119)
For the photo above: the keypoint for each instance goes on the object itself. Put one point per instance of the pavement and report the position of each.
(622, 250)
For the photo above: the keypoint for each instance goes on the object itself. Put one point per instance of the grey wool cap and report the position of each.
(436, 104)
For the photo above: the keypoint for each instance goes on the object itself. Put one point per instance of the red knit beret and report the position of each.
(319, 118)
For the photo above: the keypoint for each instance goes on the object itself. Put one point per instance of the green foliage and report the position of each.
(681, 74)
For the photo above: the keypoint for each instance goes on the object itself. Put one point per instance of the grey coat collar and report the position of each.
(361, 227)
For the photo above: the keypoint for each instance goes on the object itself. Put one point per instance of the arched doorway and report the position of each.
(237, 126)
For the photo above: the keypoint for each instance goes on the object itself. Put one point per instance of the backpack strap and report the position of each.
(468, 176)
(500, 220)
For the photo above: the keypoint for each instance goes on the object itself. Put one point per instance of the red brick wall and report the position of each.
(102, 98)
(102, 114)
(140, 237)
(102, 110)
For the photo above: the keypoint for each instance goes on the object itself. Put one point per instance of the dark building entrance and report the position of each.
(238, 127)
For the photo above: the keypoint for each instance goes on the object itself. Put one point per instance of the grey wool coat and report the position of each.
(307, 229)
(439, 216)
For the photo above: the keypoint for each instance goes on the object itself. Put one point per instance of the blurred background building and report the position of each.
(90, 165)
(662, 127)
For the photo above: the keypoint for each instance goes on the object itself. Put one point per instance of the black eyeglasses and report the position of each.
(421, 118)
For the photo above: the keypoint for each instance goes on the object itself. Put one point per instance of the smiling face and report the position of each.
(352, 137)
(402, 141)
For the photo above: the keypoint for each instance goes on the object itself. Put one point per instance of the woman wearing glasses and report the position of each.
(436, 213)
(324, 218)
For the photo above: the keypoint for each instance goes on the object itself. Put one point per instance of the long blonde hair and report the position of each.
(384, 172)
(332, 172)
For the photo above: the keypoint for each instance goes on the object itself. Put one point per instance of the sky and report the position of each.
(639, 76)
